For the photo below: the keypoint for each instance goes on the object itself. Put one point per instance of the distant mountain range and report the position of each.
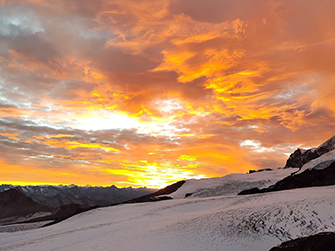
(56, 196)
(20, 212)
(26, 207)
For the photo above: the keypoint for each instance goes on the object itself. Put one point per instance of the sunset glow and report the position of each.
(147, 93)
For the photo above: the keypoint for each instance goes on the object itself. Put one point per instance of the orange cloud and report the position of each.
(148, 93)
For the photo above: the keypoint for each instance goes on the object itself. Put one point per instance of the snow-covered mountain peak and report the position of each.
(302, 151)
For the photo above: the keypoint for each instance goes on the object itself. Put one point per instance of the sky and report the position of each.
(149, 92)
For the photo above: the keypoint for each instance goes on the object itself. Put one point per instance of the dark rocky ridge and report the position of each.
(319, 242)
(300, 156)
(308, 178)
(156, 196)
(260, 170)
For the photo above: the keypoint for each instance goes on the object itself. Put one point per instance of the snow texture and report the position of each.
(22, 226)
(11, 224)
(235, 223)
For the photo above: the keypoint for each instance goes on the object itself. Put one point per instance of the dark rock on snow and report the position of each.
(159, 198)
(260, 170)
(319, 242)
(151, 197)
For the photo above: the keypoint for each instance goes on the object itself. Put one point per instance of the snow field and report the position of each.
(251, 222)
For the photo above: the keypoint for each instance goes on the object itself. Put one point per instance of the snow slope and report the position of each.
(320, 163)
(231, 184)
(235, 223)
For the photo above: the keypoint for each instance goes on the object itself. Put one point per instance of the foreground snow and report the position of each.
(252, 222)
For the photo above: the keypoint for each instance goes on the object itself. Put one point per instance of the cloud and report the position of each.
(88, 89)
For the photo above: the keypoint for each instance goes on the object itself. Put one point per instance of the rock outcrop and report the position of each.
(322, 241)
(301, 156)
(157, 196)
